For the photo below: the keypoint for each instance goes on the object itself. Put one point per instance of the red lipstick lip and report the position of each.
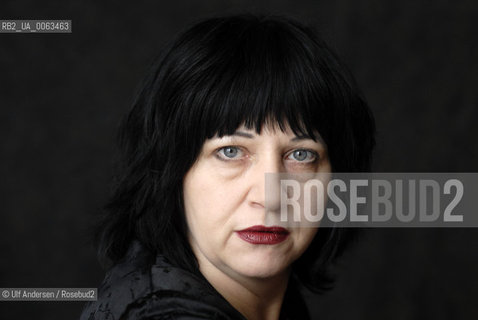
(263, 234)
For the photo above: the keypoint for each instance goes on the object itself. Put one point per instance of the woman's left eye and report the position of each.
(303, 155)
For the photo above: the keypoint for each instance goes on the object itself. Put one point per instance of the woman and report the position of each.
(229, 100)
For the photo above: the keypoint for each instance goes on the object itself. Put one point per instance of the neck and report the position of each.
(254, 298)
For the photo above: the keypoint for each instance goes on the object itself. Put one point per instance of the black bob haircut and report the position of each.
(221, 73)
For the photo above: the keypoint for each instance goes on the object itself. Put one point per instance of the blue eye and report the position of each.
(229, 152)
(302, 155)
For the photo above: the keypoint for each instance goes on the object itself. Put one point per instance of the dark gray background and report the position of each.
(62, 96)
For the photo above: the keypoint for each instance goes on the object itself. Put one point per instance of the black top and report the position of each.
(141, 287)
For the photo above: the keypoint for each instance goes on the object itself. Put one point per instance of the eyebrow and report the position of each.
(301, 137)
(243, 134)
(251, 136)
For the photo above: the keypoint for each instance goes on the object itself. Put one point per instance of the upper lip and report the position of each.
(259, 228)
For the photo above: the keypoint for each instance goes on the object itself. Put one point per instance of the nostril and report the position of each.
(257, 205)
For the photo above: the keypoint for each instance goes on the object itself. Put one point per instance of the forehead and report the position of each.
(271, 130)
(266, 128)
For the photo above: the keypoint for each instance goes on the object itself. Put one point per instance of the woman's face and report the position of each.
(224, 196)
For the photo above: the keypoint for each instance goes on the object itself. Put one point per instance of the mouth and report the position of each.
(263, 235)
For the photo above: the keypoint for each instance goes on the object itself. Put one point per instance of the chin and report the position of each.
(254, 267)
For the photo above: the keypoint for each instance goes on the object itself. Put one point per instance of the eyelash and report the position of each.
(312, 153)
(223, 157)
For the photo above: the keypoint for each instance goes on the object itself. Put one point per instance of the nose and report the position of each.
(264, 191)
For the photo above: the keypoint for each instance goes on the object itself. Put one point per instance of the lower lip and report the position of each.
(260, 237)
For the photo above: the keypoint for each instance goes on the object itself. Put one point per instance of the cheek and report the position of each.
(204, 199)
(211, 191)
(207, 202)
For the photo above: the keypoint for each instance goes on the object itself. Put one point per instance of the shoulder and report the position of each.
(146, 287)
(166, 306)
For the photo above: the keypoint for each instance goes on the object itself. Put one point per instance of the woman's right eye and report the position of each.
(229, 153)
